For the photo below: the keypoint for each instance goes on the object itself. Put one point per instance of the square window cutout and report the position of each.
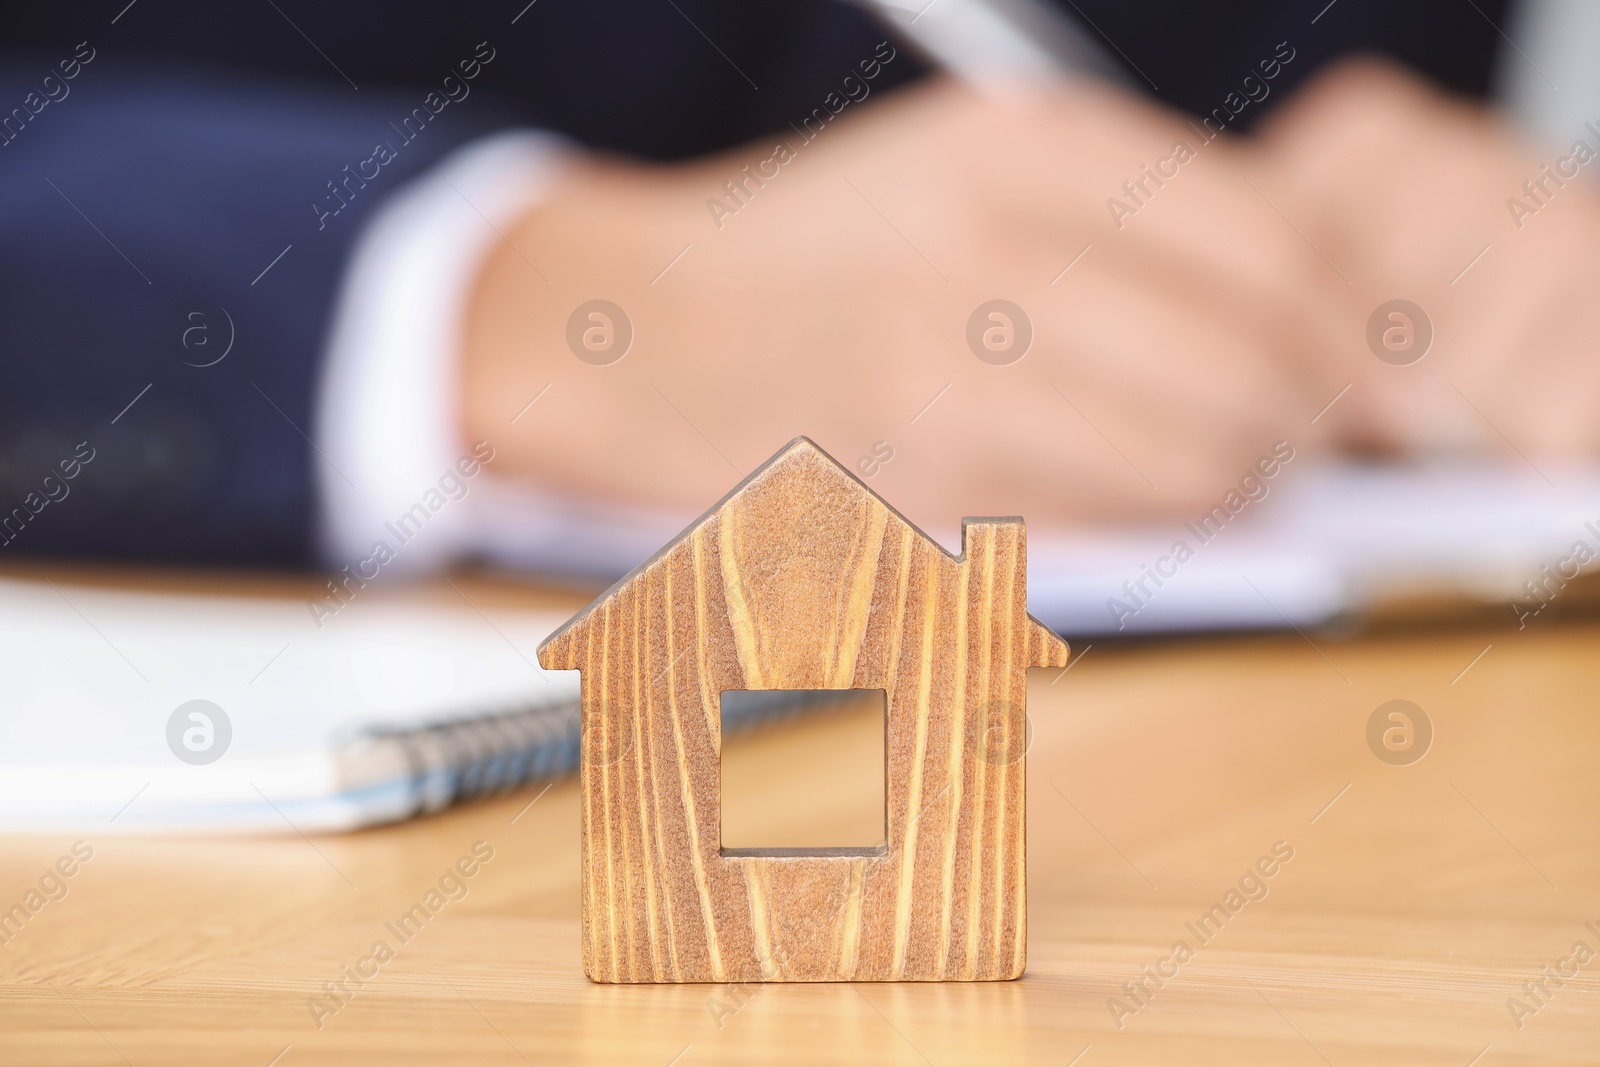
(813, 786)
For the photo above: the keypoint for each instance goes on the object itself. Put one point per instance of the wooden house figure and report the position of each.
(803, 578)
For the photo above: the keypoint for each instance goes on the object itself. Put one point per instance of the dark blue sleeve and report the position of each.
(169, 260)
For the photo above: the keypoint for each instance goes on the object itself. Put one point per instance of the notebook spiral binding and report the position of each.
(455, 761)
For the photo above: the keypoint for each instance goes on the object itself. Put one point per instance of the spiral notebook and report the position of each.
(390, 709)
(127, 711)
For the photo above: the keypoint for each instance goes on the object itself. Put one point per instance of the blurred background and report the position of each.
(1265, 317)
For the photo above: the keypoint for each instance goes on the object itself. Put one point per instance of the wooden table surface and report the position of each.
(1418, 901)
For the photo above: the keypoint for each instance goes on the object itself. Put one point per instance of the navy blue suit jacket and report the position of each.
(160, 162)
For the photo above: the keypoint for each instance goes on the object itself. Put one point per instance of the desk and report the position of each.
(1418, 899)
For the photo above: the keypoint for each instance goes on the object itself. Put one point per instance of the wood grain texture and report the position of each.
(1157, 772)
(803, 578)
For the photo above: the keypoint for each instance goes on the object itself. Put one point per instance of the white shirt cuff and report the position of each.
(394, 461)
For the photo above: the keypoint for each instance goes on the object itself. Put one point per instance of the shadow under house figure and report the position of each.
(803, 578)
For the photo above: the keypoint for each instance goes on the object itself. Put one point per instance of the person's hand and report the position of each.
(1411, 194)
(835, 302)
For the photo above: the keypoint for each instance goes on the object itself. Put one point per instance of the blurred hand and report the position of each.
(835, 303)
(1403, 187)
